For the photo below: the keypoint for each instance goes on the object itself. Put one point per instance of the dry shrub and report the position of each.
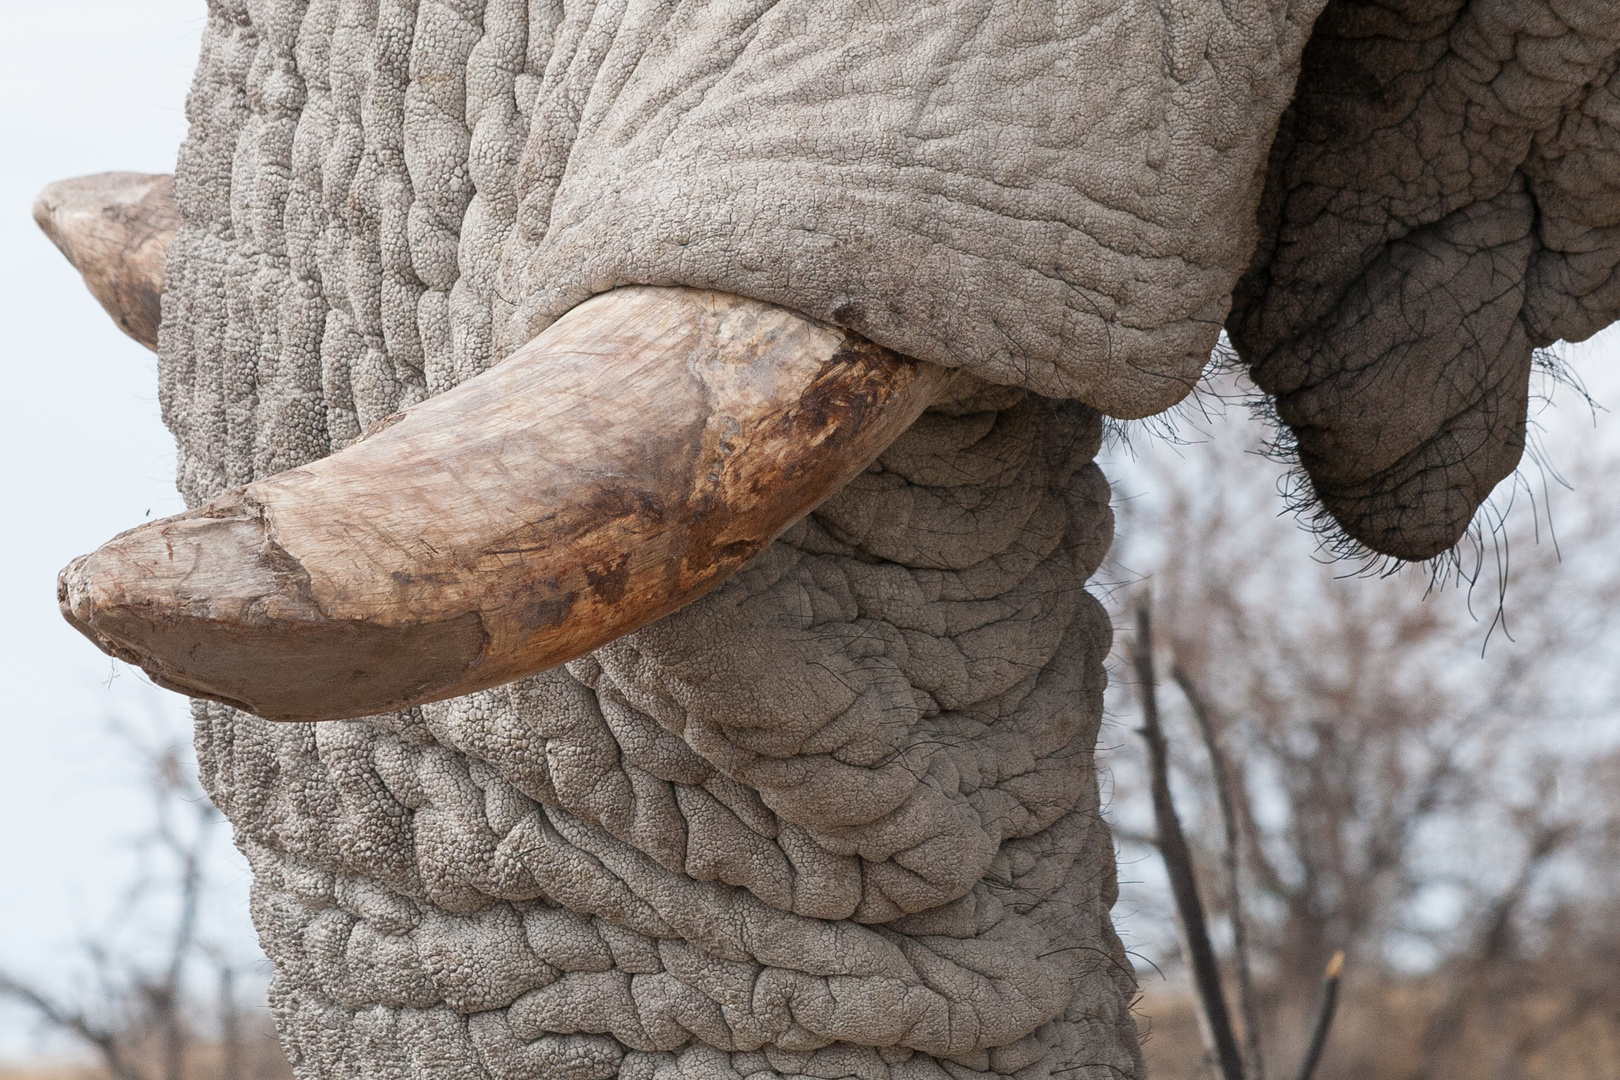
(156, 996)
(1424, 764)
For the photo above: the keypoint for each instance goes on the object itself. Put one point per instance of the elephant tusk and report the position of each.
(620, 465)
(115, 229)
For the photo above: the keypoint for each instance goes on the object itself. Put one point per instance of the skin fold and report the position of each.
(1442, 199)
(839, 815)
(838, 818)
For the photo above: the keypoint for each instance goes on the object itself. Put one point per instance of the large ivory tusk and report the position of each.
(619, 466)
(115, 229)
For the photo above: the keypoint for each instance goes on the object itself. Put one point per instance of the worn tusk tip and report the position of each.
(45, 204)
(73, 599)
(115, 229)
(208, 604)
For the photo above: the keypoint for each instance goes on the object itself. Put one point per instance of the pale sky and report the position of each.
(85, 86)
(89, 86)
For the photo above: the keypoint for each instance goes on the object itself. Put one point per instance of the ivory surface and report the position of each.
(115, 229)
(617, 468)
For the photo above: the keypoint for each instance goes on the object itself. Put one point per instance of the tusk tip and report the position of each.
(115, 229)
(206, 603)
(134, 596)
(73, 598)
(79, 212)
(44, 217)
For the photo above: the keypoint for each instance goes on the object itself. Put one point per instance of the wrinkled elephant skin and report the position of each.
(839, 816)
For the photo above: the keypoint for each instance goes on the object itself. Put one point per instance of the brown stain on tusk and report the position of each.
(621, 465)
(115, 229)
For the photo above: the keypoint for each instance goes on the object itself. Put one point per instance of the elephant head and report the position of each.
(668, 425)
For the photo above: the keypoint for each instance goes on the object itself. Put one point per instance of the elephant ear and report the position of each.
(1442, 199)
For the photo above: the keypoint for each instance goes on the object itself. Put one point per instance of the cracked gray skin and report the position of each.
(840, 818)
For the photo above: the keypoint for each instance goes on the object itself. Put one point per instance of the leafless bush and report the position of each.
(1417, 775)
(156, 997)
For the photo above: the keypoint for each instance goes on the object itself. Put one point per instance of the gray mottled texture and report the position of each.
(839, 819)
(1444, 196)
(396, 193)
(385, 196)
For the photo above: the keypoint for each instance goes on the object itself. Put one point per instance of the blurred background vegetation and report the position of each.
(1425, 764)
(164, 989)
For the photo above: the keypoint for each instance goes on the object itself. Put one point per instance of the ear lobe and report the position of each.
(1407, 397)
(1439, 202)
(115, 229)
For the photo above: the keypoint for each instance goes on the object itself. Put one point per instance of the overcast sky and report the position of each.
(85, 86)
(88, 86)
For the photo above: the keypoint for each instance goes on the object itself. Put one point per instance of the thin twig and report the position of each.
(77, 1022)
(1324, 1016)
(1178, 859)
(230, 1024)
(1247, 1000)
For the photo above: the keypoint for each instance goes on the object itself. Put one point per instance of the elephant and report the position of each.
(741, 722)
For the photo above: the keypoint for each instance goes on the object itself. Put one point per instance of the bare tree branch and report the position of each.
(230, 1024)
(71, 1021)
(1178, 858)
(1377, 765)
(145, 1017)
(1324, 1017)
(1247, 1000)
(1493, 939)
